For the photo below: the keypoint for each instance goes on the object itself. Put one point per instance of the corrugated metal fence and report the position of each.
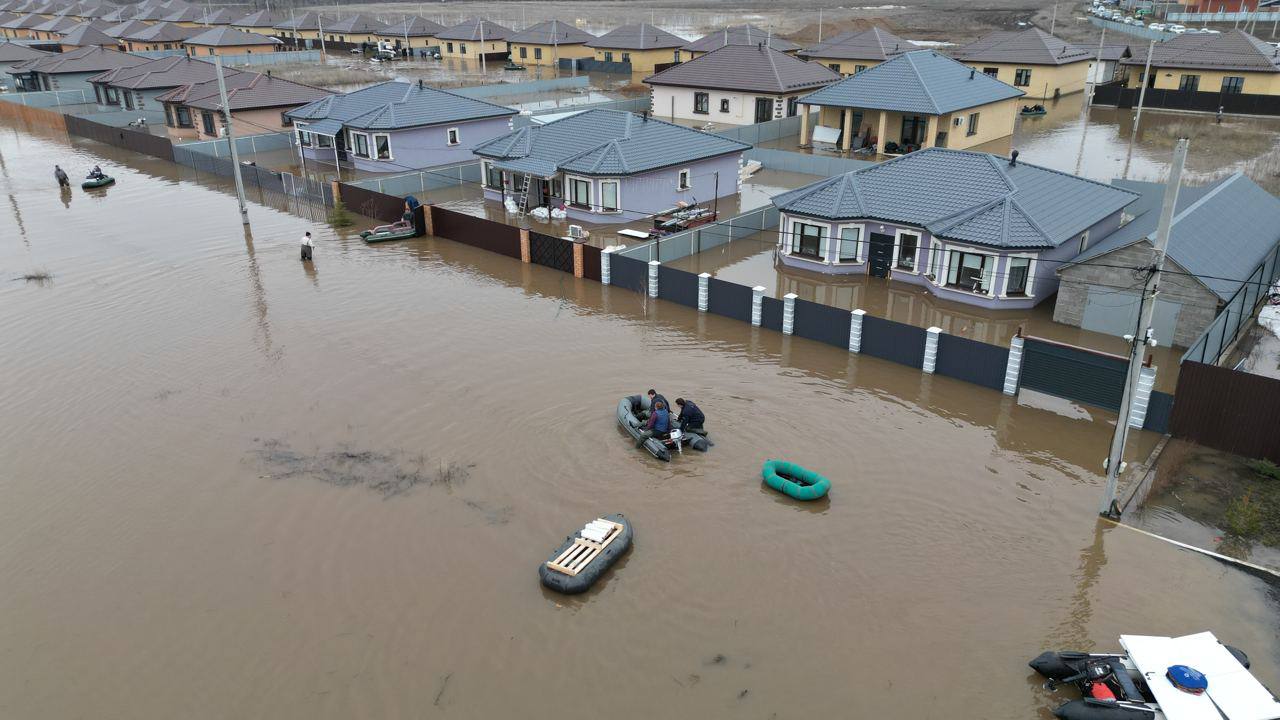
(141, 142)
(1228, 410)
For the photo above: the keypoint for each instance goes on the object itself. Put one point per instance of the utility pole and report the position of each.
(1053, 22)
(1142, 96)
(1102, 43)
(819, 24)
(483, 68)
(1142, 334)
(231, 139)
(324, 53)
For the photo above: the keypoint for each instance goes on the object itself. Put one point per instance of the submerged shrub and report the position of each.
(1244, 516)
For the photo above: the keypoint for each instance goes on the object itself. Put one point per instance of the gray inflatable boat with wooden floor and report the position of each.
(586, 555)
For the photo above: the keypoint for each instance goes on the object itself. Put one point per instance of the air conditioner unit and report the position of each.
(575, 232)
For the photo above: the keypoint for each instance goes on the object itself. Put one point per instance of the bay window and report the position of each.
(970, 271)
(806, 240)
(850, 235)
(908, 246)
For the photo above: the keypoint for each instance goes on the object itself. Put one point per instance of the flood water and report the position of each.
(237, 486)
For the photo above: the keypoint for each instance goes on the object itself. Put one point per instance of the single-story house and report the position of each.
(86, 35)
(188, 17)
(738, 84)
(610, 166)
(70, 70)
(413, 33)
(139, 87)
(852, 52)
(1032, 59)
(1109, 69)
(161, 36)
(152, 14)
(119, 14)
(473, 38)
(914, 100)
(126, 27)
(21, 27)
(354, 30)
(53, 29)
(12, 53)
(1231, 62)
(262, 22)
(547, 42)
(226, 40)
(737, 35)
(1220, 233)
(397, 126)
(221, 16)
(967, 226)
(301, 29)
(258, 105)
(647, 48)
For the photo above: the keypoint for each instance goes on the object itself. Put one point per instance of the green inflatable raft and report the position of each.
(103, 181)
(795, 481)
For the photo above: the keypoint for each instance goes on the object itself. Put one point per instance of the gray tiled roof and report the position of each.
(1112, 52)
(221, 16)
(739, 35)
(120, 14)
(260, 19)
(919, 82)
(24, 21)
(56, 25)
(965, 196)
(552, 32)
(81, 60)
(165, 72)
(1032, 46)
(13, 52)
(355, 25)
(1220, 231)
(227, 36)
(639, 36)
(418, 27)
(874, 44)
(86, 34)
(188, 14)
(302, 21)
(603, 142)
(471, 30)
(163, 32)
(152, 13)
(126, 28)
(1231, 50)
(396, 105)
(245, 91)
(749, 68)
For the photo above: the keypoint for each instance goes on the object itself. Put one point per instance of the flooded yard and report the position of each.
(240, 486)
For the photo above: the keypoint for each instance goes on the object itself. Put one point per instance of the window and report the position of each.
(858, 68)
(97, 95)
(113, 97)
(360, 144)
(304, 137)
(448, 47)
(138, 99)
(972, 126)
(970, 271)
(701, 103)
(991, 71)
(682, 180)
(492, 177)
(806, 240)
(850, 235)
(1018, 276)
(128, 100)
(285, 120)
(382, 145)
(626, 57)
(908, 246)
(834, 66)
(324, 141)
(580, 193)
(1022, 77)
(537, 53)
(524, 52)
(184, 118)
(462, 48)
(557, 188)
(1189, 82)
(206, 119)
(724, 105)
(168, 115)
(676, 56)
(209, 50)
(608, 196)
(608, 56)
(1233, 85)
(453, 137)
(793, 106)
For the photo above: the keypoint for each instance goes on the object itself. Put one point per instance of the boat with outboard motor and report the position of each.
(630, 410)
(1194, 677)
(97, 182)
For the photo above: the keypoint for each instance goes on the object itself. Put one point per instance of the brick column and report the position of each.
(430, 221)
(846, 139)
(931, 349)
(606, 270)
(577, 260)
(757, 304)
(804, 125)
(704, 291)
(855, 331)
(1013, 370)
(788, 313)
(524, 245)
(653, 278)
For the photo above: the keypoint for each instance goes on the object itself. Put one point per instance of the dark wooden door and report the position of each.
(881, 255)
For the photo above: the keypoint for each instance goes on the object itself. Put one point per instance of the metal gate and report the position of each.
(551, 251)
(1074, 373)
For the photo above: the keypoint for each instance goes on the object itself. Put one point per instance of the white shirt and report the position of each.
(306, 240)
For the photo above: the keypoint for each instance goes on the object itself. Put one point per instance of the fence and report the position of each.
(140, 142)
(1223, 16)
(27, 113)
(520, 88)
(272, 58)
(246, 144)
(157, 54)
(485, 234)
(50, 98)
(550, 251)
(575, 104)
(691, 242)
(821, 165)
(1228, 410)
(371, 203)
(1134, 30)
(1200, 101)
(120, 118)
(423, 181)
(1237, 313)
(202, 157)
(765, 131)
(591, 65)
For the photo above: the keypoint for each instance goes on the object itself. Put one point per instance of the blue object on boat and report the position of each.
(1187, 679)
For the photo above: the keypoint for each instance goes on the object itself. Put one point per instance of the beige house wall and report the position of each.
(845, 66)
(995, 121)
(549, 53)
(247, 122)
(206, 50)
(1046, 80)
(642, 61)
(135, 46)
(454, 48)
(354, 39)
(256, 30)
(1210, 80)
(420, 41)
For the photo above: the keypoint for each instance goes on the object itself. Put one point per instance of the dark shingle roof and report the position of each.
(227, 36)
(221, 16)
(355, 25)
(86, 34)
(739, 35)
(245, 91)
(749, 68)
(552, 32)
(162, 32)
(81, 60)
(471, 30)
(13, 52)
(640, 36)
(1113, 52)
(1220, 231)
(188, 14)
(1032, 46)
(921, 81)
(163, 72)
(395, 105)
(126, 28)
(965, 196)
(303, 21)
(260, 19)
(1231, 50)
(24, 21)
(56, 25)
(874, 44)
(603, 142)
(120, 14)
(417, 27)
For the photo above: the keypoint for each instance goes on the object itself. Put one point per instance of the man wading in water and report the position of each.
(307, 245)
(61, 175)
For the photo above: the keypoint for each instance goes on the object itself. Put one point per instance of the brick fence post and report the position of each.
(757, 305)
(788, 313)
(704, 291)
(653, 278)
(1013, 369)
(606, 269)
(579, 266)
(524, 245)
(429, 219)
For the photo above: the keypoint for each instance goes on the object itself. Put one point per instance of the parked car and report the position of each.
(1137, 23)
(1158, 26)
(1127, 21)
(1177, 29)
(1208, 31)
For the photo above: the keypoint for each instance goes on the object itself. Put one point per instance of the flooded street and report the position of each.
(238, 487)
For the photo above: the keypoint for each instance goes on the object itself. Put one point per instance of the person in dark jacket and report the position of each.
(61, 176)
(656, 397)
(691, 418)
(659, 423)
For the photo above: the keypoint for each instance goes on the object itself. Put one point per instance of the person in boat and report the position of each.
(659, 423)
(410, 204)
(691, 418)
(61, 175)
(307, 246)
(96, 173)
(656, 397)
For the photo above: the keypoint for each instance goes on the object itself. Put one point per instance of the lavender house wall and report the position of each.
(424, 147)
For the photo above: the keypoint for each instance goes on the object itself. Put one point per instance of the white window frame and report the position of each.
(684, 180)
(859, 252)
(304, 136)
(617, 197)
(373, 148)
(897, 246)
(568, 191)
(824, 241)
(351, 145)
(967, 249)
(1031, 275)
(453, 136)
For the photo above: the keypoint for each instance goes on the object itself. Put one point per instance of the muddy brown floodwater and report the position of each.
(237, 487)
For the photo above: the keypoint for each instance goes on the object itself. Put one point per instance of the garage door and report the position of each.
(1115, 312)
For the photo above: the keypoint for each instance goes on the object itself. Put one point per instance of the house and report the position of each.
(547, 42)
(737, 84)
(21, 27)
(736, 35)
(262, 22)
(13, 53)
(852, 52)
(1032, 59)
(120, 14)
(85, 35)
(138, 87)
(152, 14)
(301, 29)
(53, 29)
(610, 166)
(188, 17)
(226, 40)
(258, 103)
(221, 16)
(1109, 69)
(70, 70)
(1220, 234)
(161, 36)
(647, 48)
(353, 31)
(966, 226)
(411, 33)
(1233, 62)
(398, 126)
(126, 27)
(474, 38)
(913, 100)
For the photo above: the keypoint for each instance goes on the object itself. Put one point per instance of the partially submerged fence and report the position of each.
(213, 157)
(1216, 339)
(264, 142)
(141, 142)
(421, 182)
(36, 115)
(1228, 410)
(761, 132)
(1133, 30)
(693, 241)
(50, 98)
(1117, 95)
(520, 88)
(272, 58)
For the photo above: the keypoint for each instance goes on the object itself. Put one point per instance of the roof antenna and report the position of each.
(970, 73)
(1013, 159)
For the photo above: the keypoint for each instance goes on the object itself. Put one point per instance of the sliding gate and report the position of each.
(1066, 371)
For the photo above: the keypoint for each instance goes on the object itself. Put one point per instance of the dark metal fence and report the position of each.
(552, 252)
(1245, 104)
(892, 340)
(1236, 314)
(591, 262)
(477, 232)
(1066, 371)
(771, 314)
(729, 299)
(972, 361)
(370, 203)
(629, 274)
(592, 65)
(140, 142)
(1159, 410)
(1228, 410)
(822, 323)
(678, 286)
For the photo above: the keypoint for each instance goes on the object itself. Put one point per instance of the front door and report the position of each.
(881, 254)
(764, 109)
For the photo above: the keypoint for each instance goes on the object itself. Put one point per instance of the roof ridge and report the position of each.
(923, 85)
(1013, 201)
(1204, 198)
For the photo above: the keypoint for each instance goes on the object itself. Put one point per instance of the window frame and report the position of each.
(1192, 86)
(859, 68)
(1028, 281)
(377, 152)
(961, 251)
(971, 124)
(355, 138)
(896, 263)
(453, 137)
(1022, 77)
(837, 257)
(524, 52)
(462, 48)
(701, 103)
(537, 53)
(486, 174)
(572, 182)
(991, 72)
(1233, 85)
(177, 116)
(617, 197)
(608, 55)
(304, 136)
(724, 105)
(684, 180)
(795, 241)
(626, 56)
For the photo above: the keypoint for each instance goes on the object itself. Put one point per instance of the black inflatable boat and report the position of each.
(586, 555)
(629, 411)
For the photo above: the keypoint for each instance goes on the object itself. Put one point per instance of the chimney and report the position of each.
(420, 84)
(1013, 159)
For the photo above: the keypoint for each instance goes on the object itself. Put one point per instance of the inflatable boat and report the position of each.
(1150, 681)
(103, 181)
(794, 480)
(586, 555)
(629, 410)
(396, 231)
